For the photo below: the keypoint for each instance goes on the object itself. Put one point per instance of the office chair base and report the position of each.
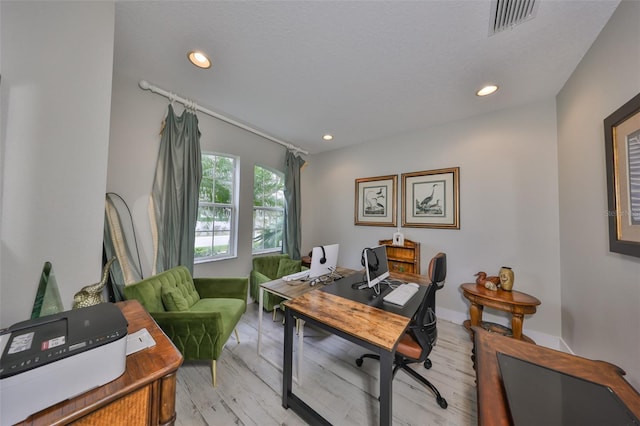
(439, 399)
(427, 364)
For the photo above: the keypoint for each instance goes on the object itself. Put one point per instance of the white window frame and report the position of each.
(233, 231)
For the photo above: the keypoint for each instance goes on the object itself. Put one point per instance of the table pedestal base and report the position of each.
(492, 327)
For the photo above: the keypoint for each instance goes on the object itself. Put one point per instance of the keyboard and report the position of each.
(402, 294)
(297, 276)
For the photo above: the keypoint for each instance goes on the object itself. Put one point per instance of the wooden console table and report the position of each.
(515, 302)
(493, 406)
(144, 395)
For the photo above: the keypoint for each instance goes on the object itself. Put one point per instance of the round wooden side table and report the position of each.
(515, 302)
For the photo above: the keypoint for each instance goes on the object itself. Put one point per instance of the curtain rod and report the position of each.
(145, 85)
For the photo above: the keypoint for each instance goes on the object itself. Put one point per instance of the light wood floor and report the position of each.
(249, 388)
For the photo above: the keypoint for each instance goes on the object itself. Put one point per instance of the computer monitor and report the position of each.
(375, 264)
(324, 260)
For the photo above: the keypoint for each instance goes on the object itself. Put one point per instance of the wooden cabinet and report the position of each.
(405, 258)
(144, 395)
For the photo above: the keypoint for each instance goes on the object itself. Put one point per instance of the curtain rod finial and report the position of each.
(144, 84)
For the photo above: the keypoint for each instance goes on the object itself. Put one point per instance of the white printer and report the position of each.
(49, 359)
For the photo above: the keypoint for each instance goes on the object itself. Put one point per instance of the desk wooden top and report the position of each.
(378, 327)
(512, 297)
(142, 368)
(493, 408)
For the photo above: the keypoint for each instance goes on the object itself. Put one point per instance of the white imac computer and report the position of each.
(324, 260)
(375, 264)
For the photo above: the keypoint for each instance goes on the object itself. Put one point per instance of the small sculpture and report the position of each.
(92, 294)
(483, 279)
(491, 286)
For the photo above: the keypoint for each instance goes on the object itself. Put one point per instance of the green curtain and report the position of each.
(174, 197)
(292, 237)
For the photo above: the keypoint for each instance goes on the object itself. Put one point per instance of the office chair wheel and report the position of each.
(427, 363)
(442, 402)
(359, 362)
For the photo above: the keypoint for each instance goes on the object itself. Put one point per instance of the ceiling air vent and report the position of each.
(506, 14)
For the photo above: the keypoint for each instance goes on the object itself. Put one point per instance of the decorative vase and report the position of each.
(506, 278)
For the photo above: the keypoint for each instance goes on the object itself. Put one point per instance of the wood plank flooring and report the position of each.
(249, 388)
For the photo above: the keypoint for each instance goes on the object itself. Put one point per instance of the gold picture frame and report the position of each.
(622, 152)
(376, 201)
(431, 199)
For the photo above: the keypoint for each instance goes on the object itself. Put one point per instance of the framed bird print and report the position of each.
(376, 201)
(431, 199)
(622, 151)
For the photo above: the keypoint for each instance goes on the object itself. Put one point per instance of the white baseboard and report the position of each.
(541, 339)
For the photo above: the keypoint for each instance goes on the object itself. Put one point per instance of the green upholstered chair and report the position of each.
(269, 268)
(197, 314)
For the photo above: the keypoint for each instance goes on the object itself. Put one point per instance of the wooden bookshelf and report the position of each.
(405, 258)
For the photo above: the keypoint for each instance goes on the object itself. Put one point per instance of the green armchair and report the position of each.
(197, 314)
(269, 268)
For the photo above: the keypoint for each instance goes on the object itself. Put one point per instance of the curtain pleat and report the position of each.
(292, 238)
(174, 197)
(120, 241)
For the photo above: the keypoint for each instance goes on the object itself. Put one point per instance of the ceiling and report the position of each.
(360, 70)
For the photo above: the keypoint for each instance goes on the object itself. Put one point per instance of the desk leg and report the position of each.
(300, 327)
(386, 387)
(260, 307)
(516, 325)
(287, 367)
(475, 312)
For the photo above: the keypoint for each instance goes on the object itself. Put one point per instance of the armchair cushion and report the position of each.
(173, 300)
(288, 266)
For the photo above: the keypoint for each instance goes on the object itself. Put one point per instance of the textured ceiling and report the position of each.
(360, 70)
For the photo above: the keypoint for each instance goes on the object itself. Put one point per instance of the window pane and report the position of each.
(268, 212)
(215, 228)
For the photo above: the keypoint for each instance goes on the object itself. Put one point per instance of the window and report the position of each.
(268, 210)
(216, 224)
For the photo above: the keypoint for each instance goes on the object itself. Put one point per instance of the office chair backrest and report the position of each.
(423, 326)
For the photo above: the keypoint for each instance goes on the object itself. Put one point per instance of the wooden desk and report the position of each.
(515, 302)
(288, 291)
(493, 408)
(144, 395)
(374, 329)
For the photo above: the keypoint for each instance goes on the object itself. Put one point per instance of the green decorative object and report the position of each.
(48, 299)
(92, 294)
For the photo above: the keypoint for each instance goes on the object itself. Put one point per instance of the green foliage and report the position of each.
(268, 188)
(217, 179)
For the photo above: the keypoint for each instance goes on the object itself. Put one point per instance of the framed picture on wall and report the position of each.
(622, 151)
(376, 201)
(431, 199)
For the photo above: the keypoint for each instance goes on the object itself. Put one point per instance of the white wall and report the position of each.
(56, 89)
(600, 289)
(508, 203)
(137, 116)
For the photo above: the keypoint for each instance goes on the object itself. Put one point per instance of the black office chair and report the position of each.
(416, 344)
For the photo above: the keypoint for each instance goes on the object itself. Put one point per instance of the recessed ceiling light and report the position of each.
(199, 59)
(327, 137)
(487, 90)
